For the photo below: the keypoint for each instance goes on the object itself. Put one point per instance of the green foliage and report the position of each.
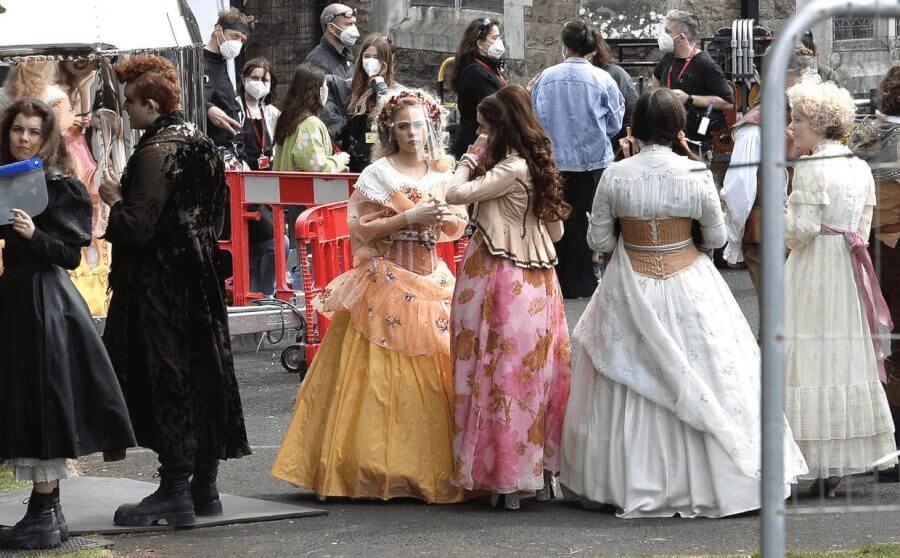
(7, 482)
(92, 553)
(872, 551)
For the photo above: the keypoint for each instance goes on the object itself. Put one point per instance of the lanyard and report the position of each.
(503, 80)
(260, 136)
(683, 68)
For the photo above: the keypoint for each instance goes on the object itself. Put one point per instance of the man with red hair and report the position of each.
(167, 329)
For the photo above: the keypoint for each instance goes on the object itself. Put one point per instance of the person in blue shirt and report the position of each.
(581, 108)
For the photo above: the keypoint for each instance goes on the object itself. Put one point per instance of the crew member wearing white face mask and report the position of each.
(373, 77)
(477, 74)
(334, 55)
(693, 76)
(256, 98)
(256, 95)
(222, 109)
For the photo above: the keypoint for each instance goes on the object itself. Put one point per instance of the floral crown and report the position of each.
(436, 113)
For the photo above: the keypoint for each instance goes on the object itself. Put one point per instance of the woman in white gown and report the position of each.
(663, 415)
(835, 402)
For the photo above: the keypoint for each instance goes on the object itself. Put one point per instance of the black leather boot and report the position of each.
(38, 529)
(60, 518)
(203, 486)
(170, 503)
(892, 474)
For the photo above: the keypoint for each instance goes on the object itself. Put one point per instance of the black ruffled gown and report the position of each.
(59, 397)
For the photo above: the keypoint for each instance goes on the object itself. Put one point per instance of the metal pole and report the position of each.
(772, 534)
(750, 9)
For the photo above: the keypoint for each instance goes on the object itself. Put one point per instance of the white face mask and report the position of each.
(323, 94)
(256, 88)
(496, 50)
(565, 53)
(348, 36)
(666, 42)
(230, 49)
(371, 66)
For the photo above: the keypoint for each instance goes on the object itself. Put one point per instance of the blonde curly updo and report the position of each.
(829, 108)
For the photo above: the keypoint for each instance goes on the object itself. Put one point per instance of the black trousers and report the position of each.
(887, 267)
(575, 268)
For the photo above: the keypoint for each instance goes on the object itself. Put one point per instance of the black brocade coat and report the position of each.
(59, 397)
(167, 329)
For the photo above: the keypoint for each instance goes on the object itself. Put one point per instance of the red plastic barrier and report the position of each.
(324, 239)
(277, 189)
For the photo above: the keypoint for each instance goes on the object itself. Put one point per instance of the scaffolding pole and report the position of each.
(772, 529)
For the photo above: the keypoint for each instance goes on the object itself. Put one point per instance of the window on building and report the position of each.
(484, 5)
(439, 3)
(851, 28)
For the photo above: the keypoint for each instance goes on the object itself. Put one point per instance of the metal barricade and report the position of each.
(278, 190)
(325, 253)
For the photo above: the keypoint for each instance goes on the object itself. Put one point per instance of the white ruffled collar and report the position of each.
(380, 180)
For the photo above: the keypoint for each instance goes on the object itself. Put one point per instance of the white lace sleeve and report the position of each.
(805, 204)
(865, 222)
(372, 183)
(601, 237)
(712, 219)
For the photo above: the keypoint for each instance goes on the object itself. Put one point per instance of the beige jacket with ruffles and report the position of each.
(504, 212)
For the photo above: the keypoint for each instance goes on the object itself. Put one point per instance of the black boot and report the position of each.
(203, 486)
(60, 518)
(171, 502)
(38, 529)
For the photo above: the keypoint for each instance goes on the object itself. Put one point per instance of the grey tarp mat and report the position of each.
(90, 502)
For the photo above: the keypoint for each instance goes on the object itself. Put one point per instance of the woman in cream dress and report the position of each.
(835, 400)
(663, 415)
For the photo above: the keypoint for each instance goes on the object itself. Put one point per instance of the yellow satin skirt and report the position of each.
(370, 422)
(91, 277)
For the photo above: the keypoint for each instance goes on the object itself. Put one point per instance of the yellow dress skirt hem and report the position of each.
(370, 422)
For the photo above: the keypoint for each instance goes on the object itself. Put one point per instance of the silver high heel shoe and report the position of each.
(511, 501)
(552, 490)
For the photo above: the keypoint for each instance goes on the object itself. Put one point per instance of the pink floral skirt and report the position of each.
(512, 365)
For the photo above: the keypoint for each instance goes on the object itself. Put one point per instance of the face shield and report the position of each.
(420, 131)
(23, 186)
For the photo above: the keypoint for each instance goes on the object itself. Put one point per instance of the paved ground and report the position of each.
(408, 528)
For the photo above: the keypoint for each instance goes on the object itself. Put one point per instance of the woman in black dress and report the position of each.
(477, 73)
(373, 76)
(57, 385)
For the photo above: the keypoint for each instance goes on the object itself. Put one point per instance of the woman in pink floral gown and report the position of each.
(510, 342)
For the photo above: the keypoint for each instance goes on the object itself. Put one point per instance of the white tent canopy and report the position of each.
(78, 26)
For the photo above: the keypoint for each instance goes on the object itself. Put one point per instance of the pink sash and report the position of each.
(877, 312)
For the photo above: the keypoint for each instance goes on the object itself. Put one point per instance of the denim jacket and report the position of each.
(581, 108)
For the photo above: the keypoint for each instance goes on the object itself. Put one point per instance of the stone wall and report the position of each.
(639, 18)
(543, 21)
(285, 32)
(289, 29)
